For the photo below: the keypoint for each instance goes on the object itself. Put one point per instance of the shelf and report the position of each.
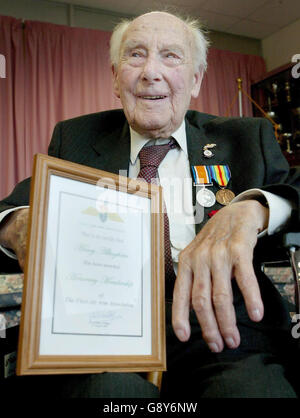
(278, 94)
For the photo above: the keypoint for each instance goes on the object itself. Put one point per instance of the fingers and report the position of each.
(21, 251)
(204, 310)
(13, 233)
(213, 300)
(204, 283)
(247, 282)
(181, 302)
(223, 249)
(222, 298)
(20, 231)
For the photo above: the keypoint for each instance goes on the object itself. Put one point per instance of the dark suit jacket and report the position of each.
(247, 145)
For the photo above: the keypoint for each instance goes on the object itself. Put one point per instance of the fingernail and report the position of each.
(213, 347)
(256, 315)
(181, 334)
(230, 342)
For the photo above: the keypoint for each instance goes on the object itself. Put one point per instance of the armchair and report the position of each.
(284, 250)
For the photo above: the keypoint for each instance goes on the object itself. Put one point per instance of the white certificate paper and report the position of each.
(97, 275)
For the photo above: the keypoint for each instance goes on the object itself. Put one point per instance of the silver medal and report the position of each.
(205, 197)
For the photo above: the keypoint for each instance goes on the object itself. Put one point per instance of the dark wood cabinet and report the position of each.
(278, 94)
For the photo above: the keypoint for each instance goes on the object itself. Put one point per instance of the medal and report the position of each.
(205, 175)
(202, 178)
(224, 196)
(221, 175)
(205, 197)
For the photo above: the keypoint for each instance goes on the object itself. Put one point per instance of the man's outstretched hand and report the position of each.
(223, 249)
(13, 233)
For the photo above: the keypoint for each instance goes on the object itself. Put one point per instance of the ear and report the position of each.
(197, 81)
(115, 81)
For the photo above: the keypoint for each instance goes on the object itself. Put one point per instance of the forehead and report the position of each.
(157, 28)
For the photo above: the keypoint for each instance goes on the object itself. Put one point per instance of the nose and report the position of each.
(151, 70)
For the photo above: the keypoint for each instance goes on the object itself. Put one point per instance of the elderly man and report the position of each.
(229, 331)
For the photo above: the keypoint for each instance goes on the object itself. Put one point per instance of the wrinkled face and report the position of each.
(155, 78)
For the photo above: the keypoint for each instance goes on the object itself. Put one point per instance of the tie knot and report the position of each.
(153, 155)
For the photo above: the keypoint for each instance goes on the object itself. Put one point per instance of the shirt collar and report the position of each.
(137, 141)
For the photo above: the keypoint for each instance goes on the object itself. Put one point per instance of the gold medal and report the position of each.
(224, 196)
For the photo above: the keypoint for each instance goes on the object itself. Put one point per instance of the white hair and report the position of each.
(201, 42)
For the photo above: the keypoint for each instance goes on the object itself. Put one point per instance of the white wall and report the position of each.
(278, 48)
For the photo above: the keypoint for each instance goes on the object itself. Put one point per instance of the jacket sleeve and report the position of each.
(280, 179)
(54, 146)
(21, 192)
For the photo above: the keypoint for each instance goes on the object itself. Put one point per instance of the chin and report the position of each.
(154, 129)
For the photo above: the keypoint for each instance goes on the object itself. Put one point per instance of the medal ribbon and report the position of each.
(220, 173)
(201, 174)
(204, 174)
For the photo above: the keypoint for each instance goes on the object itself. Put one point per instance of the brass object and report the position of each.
(224, 196)
(240, 89)
(287, 89)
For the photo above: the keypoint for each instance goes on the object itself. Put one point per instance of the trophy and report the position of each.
(275, 90)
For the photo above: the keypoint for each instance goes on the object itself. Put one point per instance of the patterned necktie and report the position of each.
(150, 159)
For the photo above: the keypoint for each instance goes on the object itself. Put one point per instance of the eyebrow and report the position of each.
(173, 47)
(131, 43)
(135, 43)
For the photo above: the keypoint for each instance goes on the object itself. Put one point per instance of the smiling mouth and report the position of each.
(152, 97)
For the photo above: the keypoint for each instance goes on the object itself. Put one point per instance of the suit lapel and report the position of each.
(113, 149)
(197, 137)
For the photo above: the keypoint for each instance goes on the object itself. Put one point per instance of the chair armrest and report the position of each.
(291, 239)
(291, 242)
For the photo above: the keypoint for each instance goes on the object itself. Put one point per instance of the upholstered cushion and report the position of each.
(11, 287)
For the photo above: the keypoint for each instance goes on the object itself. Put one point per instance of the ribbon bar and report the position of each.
(205, 174)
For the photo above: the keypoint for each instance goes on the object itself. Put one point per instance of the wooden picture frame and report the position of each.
(93, 297)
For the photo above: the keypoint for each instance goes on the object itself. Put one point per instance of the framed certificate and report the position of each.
(93, 297)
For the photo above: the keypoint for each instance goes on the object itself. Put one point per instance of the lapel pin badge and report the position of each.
(207, 150)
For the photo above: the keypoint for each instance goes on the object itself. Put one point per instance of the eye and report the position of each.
(136, 53)
(172, 55)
